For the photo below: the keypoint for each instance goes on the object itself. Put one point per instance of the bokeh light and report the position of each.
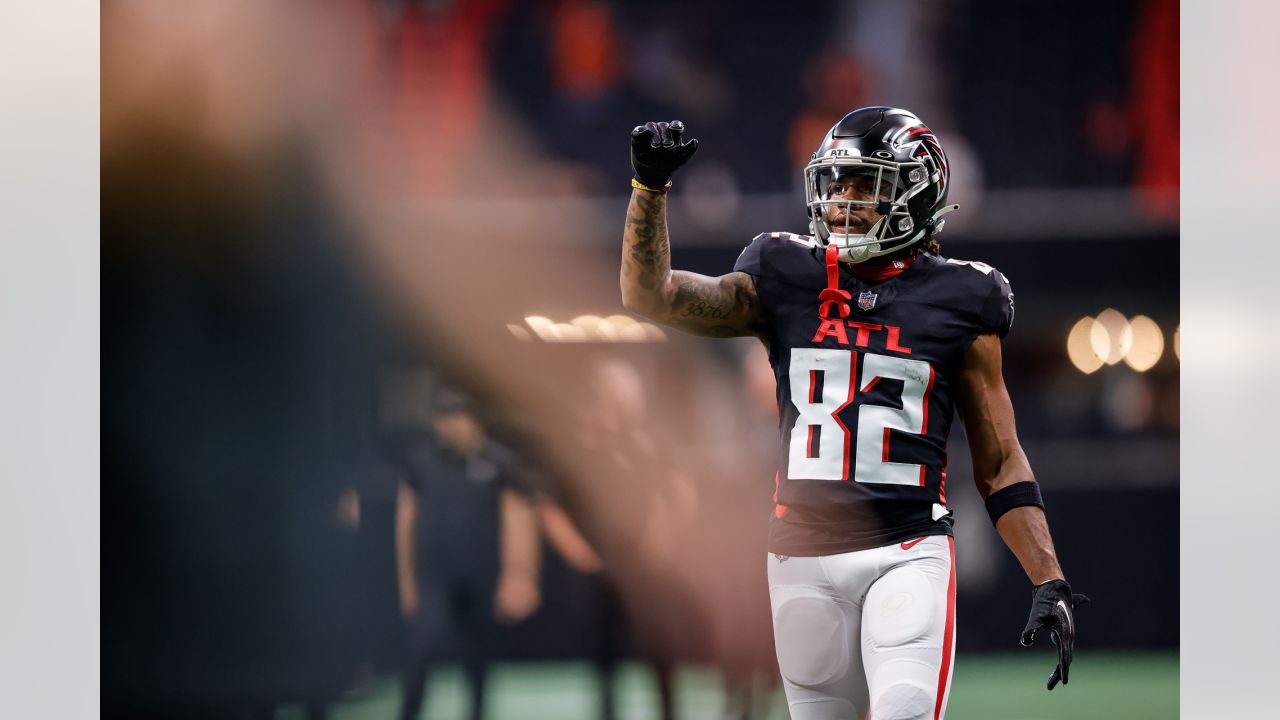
(541, 326)
(565, 332)
(1147, 344)
(588, 329)
(1111, 336)
(653, 333)
(1080, 346)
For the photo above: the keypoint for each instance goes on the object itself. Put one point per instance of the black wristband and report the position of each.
(1018, 494)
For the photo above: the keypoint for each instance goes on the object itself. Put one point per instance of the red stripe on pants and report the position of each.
(948, 634)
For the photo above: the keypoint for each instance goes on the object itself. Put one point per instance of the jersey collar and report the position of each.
(877, 271)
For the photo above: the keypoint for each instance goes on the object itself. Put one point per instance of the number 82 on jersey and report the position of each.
(826, 381)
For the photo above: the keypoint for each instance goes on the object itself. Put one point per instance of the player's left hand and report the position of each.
(1052, 606)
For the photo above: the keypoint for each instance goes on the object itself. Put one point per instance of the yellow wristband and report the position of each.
(641, 186)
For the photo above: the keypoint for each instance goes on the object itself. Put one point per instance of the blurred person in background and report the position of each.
(873, 337)
(467, 548)
(606, 626)
(635, 506)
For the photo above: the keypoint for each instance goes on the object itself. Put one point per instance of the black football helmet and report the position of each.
(892, 148)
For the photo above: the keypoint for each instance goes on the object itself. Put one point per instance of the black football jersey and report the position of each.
(866, 400)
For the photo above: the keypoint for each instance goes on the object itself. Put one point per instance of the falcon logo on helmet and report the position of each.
(893, 149)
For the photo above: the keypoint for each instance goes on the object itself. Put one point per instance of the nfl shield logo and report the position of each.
(866, 300)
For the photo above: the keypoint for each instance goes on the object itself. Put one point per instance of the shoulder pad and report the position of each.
(753, 259)
(803, 240)
(993, 294)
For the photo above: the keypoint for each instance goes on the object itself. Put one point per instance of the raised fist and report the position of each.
(658, 150)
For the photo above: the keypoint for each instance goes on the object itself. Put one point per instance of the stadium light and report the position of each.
(588, 323)
(596, 327)
(1111, 336)
(1148, 344)
(588, 329)
(566, 332)
(653, 333)
(541, 326)
(632, 333)
(1080, 346)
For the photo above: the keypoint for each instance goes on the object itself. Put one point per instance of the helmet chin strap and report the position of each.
(858, 254)
(861, 253)
(937, 220)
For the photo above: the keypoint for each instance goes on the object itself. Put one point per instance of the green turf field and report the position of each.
(1132, 686)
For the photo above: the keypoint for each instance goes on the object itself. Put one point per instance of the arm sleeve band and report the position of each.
(1018, 494)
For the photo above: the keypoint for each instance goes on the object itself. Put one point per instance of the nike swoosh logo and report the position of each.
(909, 545)
(1066, 611)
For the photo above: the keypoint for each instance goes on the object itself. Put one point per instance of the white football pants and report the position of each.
(866, 634)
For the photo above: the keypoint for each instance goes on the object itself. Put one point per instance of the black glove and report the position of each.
(657, 151)
(1052, 604)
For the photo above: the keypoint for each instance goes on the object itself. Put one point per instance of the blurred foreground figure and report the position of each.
(873, 337)
(467, 547)
(235, 427)
(636, 507)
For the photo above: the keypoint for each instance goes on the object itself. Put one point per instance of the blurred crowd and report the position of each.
(329, 460)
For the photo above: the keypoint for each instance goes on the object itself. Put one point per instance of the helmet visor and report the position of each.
(867, 185)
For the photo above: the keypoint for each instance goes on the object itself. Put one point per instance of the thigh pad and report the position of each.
(812, 639)
(900, 608)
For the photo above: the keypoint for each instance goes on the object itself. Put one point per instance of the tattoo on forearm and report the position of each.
(716, 307)
(650, 249)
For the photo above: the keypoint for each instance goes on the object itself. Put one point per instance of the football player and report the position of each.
(874, 338)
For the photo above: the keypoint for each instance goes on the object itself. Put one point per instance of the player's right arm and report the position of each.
(724, 306)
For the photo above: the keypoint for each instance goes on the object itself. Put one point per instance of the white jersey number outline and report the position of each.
(826, 456)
